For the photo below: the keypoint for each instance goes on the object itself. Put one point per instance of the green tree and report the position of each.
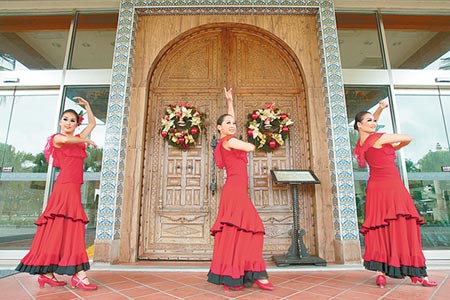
(93, 162)
(11, 158)
(19, 200)
(411, 166)
(434, 160)
(40, 164)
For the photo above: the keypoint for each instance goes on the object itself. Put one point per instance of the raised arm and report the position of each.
(234, 143)
(229, 97)
(398, 141)
(60, 139)
(381, 106)
(91, 118)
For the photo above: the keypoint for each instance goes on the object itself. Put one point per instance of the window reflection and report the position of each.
(422, 115)
(431, 198)
(445, 100)
(30, 121)
(90, 195)
(27, 118)
(364, 98)
(418, 42)
(6, 102)
(33, 42)
(94, 41)
(358, 41)
(98, 100)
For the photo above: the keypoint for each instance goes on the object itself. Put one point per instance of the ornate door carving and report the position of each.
(178, 205)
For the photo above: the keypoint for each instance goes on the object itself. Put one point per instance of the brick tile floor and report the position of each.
(188, 281)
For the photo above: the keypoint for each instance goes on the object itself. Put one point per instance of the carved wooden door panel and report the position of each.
(178, 204)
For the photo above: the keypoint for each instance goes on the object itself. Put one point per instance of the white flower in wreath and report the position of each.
(267, 128)
(181, 125)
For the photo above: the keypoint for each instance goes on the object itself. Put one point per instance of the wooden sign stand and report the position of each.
(297, 253)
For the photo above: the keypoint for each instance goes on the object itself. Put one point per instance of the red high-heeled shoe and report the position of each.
(234, 288)
(77, 282)
(381, 281)
(265, 286)
(42, 280)
(424, 282)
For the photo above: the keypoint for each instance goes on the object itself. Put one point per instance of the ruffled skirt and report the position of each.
(391, 231)
(59, 243)
(238, 240)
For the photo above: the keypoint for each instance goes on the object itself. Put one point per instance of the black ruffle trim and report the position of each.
(246, 280)
(66, 270)
(396, 272)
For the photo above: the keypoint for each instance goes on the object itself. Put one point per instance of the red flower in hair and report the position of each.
(80, 117)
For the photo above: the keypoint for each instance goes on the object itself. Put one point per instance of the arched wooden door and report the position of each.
(179, 203)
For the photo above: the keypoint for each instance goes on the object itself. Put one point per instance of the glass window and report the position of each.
(424, 114)
(421, 116)
(27, 118)
(364, 98)
(359, 42)
(98, 100)
(418, 41)
(31, 121)
(33, 42)
(94, 41)
(445, 100)
(6, 102)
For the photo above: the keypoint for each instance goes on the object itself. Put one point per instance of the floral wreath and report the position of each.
(268, 128)
(181, 125)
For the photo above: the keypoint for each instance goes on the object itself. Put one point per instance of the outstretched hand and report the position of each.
(81, 101)
(228, 94)
(383, 104)
(91, 142)
(91, 119)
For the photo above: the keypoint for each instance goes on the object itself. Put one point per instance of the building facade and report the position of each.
(318, 61)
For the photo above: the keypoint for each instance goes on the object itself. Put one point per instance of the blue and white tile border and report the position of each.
(110, 204)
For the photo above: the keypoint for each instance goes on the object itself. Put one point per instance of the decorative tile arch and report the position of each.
(112, 175)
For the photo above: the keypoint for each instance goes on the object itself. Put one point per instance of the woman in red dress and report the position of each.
(391, 228)
(238, 231)
(58, 245)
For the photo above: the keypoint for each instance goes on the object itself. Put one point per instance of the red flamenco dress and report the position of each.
(58, 245)
(238, 231)
(391, 226)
